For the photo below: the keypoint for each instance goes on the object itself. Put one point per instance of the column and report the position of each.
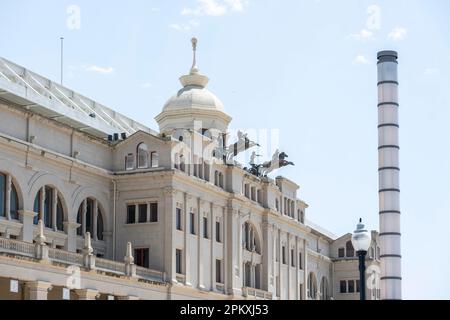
(274, 257)
(41, 207)
(8, 197)
(212, 240)
(199, 245)
(94, 223)
(37, 290)
(86, 294)
(169, 249)
(388, 174)
(297, 268)
(186, 232)
(280, 258)
(54, 208)
(224, 249)
(233, 230)
(266, 256)
(83, 217)
(305, 269)
(27, 217)
(288, 260)
(71, 230)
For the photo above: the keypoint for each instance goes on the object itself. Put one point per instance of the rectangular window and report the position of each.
(351, 286)
(341, 253)
(301, 292)
(218, 271)
(178, 218)
(205, 227)
(292, 258)
(131, 213)
(343, 286)
(246, 190)
(277, 251)
(155, 159)
(253, 193)
(300, 261)
(192, 216)
(2, 195)
(357, 285)
(142, 208)
(283, 252)
(218, 233)
(129, 162)
(178, 261)
(141, 257)
(153, 212)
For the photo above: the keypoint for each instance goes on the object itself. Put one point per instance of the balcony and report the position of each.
(257, 294)
(57, 256)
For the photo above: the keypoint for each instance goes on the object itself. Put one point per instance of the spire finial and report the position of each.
(194, 68)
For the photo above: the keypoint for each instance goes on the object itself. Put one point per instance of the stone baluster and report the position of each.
(41, 248)
(88, 252)
(130, 267)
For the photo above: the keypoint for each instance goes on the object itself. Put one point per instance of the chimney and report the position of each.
(388, 176)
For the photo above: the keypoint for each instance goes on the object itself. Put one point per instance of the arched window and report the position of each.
(312, 286)
(142, 156)
(99, 226)
(350, 252)
(14, 203)
(49, 209)
(90, 219)
(11, 202)
(59, 216)
(324, 291)
(250, 239)
(182, 163)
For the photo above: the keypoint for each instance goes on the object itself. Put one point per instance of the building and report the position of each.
(94, 205)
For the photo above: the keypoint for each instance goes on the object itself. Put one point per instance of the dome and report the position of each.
(193, 104)
(196, 97)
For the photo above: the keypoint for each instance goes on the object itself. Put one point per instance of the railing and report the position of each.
(110, 265)
(22, 248)
(181, 278)
(257, 293)
(65, 256)
(220, 287)
(149, 274)
(16, 246)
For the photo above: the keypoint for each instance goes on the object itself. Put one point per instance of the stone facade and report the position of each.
(197, 227)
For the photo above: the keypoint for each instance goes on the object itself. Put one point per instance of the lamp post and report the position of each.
(361, 242)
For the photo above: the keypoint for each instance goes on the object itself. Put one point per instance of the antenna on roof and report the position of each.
(62, 56)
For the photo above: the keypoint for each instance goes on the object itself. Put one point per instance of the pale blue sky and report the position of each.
(305, 67)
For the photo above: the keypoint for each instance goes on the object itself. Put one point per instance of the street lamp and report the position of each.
(361, 242)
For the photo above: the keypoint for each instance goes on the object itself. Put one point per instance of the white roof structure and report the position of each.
(40, 95)
(321, 230)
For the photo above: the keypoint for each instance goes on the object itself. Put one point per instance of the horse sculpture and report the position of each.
(278, 161)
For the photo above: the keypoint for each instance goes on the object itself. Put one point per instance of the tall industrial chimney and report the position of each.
(388, 176)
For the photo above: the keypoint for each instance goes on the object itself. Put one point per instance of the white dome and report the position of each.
(196, 97)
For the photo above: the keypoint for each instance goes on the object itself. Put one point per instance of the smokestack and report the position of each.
(388, 176)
